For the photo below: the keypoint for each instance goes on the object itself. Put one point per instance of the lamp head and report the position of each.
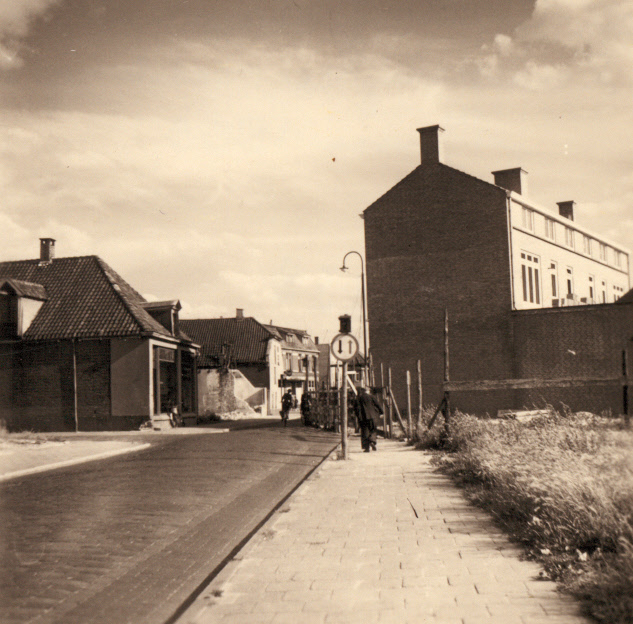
(344, 268)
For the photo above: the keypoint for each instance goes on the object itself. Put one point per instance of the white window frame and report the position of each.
(569, 237)
(528, 219)
(531, 277)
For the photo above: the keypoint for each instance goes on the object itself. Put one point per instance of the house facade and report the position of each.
(300, 356)
(273, 359)
(81, 350)
(236, 344)
(524, 287)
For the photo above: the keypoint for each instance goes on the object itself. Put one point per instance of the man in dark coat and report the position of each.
(369, 411)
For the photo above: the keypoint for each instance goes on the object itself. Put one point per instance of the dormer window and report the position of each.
(166, 313)
(19, 304)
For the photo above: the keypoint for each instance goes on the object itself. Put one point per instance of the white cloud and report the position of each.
(571, 40)
(16, 16)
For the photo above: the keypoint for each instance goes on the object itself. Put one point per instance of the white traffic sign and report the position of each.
(344, 347)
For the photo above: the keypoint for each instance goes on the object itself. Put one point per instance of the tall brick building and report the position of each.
(529, 292)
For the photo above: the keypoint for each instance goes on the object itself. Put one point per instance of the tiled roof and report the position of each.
(300, 334)
(248, 339)
(86, 299)
(25, 289)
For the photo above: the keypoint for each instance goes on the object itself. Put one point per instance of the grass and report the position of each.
(562, 485)
(24, 437)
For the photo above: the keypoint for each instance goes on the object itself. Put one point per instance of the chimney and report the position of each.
(512, 180)
(316, 340)
(239, 313)
(430, 145)
(566, 209)
(47, 249)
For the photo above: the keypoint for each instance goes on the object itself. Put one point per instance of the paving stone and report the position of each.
(448, 564)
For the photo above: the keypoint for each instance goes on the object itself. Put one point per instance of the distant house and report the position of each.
(300, 360)
(80, 349)
(238, 344)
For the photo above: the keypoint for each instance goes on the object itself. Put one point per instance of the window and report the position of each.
(530, 278)
(528, 219)
(603, 252)
(554, 278)
(586, 245)
(570, 282)
(603, 289)
(591, 285)
(550, 232)
(569, 237)
(618, 259)
(618, 291)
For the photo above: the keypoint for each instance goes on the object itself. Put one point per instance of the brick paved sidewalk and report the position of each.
(380, 538)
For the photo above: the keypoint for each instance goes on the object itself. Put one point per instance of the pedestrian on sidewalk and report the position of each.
(306, 415)
(287, 401)
(369, 411)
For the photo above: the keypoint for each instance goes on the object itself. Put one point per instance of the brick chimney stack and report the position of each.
(47, 249)
(512, 180)
(430, 144)
(239, 312)
(566, 209)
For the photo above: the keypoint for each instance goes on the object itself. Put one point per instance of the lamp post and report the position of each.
(362, 291)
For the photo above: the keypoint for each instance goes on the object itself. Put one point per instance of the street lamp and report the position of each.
(362, 291)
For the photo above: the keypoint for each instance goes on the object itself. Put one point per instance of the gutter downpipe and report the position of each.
(75, 410)
(510, 250)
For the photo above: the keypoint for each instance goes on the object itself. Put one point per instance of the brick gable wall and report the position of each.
(438, 240)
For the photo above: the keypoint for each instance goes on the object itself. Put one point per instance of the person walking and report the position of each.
(305, 409)
(287, 401)
(369, 410)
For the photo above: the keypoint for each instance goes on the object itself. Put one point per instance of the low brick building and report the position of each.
(524, 287)
(80, 349)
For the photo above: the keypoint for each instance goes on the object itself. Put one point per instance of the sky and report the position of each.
(220, 152)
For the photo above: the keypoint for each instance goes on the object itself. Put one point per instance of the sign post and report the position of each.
(344, 348)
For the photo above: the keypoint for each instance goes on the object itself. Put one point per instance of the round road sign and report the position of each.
(344, 347)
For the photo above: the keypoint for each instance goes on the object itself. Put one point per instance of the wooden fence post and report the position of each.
(447, 377)
(390, 406)
(625, 389)
(420, 406)
(409, 423)
(384, 401)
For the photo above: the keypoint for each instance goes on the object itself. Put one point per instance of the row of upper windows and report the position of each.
(296, 362)
(575, 240)
(531, 283)
(292, 339)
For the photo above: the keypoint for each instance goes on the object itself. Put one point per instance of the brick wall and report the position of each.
(37, 386)
(582, 341)
(438, 240)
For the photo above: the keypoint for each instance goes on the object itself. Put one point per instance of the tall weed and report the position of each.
(563, 485)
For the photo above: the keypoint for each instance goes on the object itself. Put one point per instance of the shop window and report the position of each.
(165, 380)
(188, 383)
